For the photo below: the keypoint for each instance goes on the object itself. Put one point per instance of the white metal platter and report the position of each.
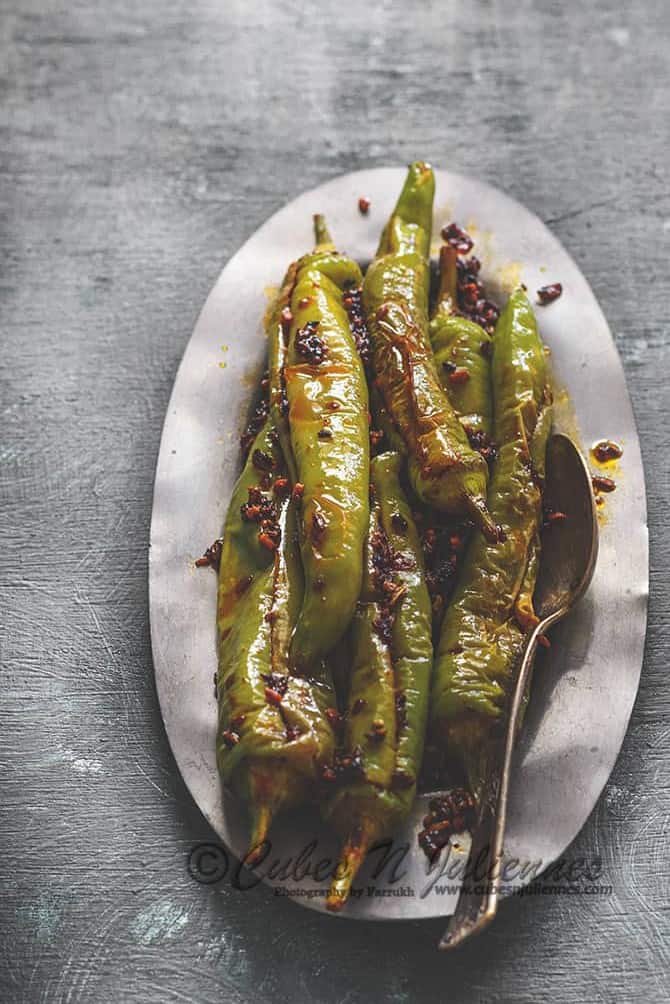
(584, 687)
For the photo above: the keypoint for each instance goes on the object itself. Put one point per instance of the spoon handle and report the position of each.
(478, 903)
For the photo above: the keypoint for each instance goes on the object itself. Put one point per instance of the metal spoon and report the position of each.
(569, 552)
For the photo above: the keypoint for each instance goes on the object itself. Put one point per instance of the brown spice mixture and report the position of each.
(547, 294)
(606, 450)
(441, 547)
(309, 345)
(457, 238)
(212, 556)
(353, 304)
(601, 484)
(259, 508)
(386, 561)
(452, 813)
(483, 444)
(262, 461)
(254, 426)
(472, 301)
(345, 767)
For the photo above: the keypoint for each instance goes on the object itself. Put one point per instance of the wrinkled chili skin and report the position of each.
(278, 750)
(328, 426)
(443, 468)
(390, 681)
(485, 626)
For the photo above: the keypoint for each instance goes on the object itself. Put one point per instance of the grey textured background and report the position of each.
(141, 144)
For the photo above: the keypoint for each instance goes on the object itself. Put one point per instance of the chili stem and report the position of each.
(324, 242)
(447, 290)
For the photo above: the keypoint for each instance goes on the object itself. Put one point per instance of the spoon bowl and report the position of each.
(570, 545)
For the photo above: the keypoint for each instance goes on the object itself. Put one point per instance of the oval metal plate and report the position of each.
(584, 686)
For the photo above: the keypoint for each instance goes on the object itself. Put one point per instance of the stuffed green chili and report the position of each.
(485, 626)
(445, 471)
(274, 735)
(328, 419)
(387, 703)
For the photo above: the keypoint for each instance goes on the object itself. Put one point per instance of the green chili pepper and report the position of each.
(329, 429)
(390, 680)
(443, 468)
(462, 352)
(274, 733)
(485, 627)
